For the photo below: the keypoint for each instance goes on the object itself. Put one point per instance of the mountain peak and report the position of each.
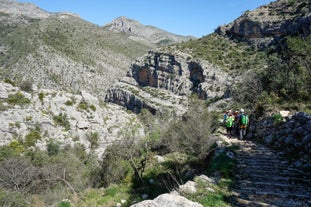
(124, 24)
(22, 8)
(144, 33)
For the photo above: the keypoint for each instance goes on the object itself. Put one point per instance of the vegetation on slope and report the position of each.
(228, 54)
(48, 51)
(130, 168)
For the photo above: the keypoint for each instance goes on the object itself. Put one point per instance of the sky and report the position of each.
(183, 17)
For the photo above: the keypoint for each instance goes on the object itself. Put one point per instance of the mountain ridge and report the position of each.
(62, 51)
(147, 33)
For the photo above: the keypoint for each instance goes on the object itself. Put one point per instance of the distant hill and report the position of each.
(63, 51)
(145, 33)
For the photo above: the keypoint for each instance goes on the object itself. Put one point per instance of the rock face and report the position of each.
(60, 117)
(160, 80)
(270, 22)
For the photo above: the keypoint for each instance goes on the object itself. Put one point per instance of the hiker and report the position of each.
(230, 123)
(236, 122)
(243, 121)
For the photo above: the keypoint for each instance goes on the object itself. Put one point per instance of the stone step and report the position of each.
(286, 188)
(271, 194)
(265, 166)
(275, 172)
(246, 158)
(256, 152)
(275, 178)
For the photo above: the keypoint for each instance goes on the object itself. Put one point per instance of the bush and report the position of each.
(62, 120)
(93, 138)
(68, 103)
(82, 106)
(18, 98)
(41, 96)
(53, 148)
(277, 118)
(193, 134)
(12, 198)
(32, 137)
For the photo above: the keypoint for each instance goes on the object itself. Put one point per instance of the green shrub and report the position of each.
(277, 118)
(92, 107)
(17, 146)
(7, 152)
(64, 203)
(223, 164)
(53, 148)
(12, 198)
(18, 98)
(32, 137)
(9, 81)
(192, 135)
(82, 106)
(41, 96)
(93, 138)
(68, 103)
(62, 120)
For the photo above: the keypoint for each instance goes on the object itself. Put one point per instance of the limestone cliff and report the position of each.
(269, 22)
(162, 80)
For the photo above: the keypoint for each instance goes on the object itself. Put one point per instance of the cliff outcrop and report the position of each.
(269, 22)
(161, 80)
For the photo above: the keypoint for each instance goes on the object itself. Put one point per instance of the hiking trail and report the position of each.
(264, 178)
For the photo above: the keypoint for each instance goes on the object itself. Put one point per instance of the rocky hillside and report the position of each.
(63, 51)
(47, 116)
(270, 22)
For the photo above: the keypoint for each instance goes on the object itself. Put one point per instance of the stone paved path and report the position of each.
(265, 179)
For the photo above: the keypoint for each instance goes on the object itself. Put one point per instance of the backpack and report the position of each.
(225, 117)
(244, 119)
(229, 121)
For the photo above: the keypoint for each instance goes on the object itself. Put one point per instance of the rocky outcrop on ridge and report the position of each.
(161, 80)
(62, 118)
(145, 33)
(269, 22)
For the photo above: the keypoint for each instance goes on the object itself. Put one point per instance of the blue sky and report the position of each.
(183, 17)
